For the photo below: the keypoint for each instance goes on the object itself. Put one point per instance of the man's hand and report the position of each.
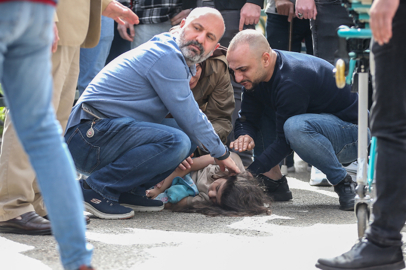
(122, 30)
(180, 16)
(249, 14)
(382, 13)
(120, 13)
(187, 163)
(243, 143)
(229, 164)
(56, 39)
(306, 8)
(285, 7)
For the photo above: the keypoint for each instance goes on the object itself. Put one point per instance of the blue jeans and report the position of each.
(92, 60)
(25, 73)
(324, 141)
(125, 155)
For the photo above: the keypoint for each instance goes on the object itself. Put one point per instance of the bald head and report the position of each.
(250, 58)
(208, 12)
(256, 42)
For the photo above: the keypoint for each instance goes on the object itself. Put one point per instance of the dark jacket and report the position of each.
(300, 84)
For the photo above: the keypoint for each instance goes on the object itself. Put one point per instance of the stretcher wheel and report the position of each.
(362, 219)
(340, 73)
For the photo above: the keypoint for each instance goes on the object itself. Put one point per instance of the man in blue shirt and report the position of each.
(130, 149)
(313, 117)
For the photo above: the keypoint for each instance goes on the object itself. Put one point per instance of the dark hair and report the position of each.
(242, 196)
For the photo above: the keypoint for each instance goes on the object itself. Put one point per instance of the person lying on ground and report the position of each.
(216, 192)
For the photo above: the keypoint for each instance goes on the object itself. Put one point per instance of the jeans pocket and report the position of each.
(85, 155)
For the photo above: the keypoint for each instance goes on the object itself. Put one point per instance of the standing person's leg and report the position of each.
(326, 141)
(124, 156)
(118, 46)
(330, 15)
(26, 65)
(92, 60)
(382, 248)
(144, 32)
(19, 190)
(388, 124)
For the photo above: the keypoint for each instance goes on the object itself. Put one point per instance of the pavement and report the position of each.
(294, 236)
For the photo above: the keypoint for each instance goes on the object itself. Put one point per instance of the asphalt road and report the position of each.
(296, 234)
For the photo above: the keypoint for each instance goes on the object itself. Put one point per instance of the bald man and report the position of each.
(128, 149)
(313, 117)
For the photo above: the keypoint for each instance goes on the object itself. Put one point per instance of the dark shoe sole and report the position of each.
(139, 208)
(89, 208)
(287, 196)
(347, 208)
(22, 231)
(393, 266)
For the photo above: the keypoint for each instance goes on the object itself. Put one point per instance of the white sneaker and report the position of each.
(317, 178)
(353, 167)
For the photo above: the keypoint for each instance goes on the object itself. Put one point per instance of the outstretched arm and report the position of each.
(198, 164)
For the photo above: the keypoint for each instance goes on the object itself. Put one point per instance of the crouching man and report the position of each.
(313, 117)
(124, 147)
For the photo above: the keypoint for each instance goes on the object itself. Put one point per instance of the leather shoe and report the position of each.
(30, 223)
(366, 255)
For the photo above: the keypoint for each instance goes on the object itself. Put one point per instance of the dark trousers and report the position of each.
(277, 33)
(330, 15)
(388, 122)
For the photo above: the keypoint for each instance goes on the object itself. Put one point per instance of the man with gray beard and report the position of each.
(123, 144)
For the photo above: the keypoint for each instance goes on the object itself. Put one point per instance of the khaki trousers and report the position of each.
(19, 192)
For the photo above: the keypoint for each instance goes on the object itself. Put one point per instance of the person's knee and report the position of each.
(181, 144)
(293, 128)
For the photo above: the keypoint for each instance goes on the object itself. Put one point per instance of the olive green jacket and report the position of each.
(215, 96)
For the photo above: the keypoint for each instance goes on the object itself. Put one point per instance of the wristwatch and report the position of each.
(225, 156)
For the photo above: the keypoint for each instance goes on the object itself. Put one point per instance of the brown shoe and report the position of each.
(30, 223)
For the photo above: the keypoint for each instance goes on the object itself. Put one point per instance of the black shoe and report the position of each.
(365, 255)
(102, 207)
(140, 203)
(346, 193)
(30, 223)
(278, 190)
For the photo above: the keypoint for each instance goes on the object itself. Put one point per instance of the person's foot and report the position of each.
(346, 193)
(140, 203)
(365, 255)
(317, 178)
(278, 190)
(102, 207)
(28, 223)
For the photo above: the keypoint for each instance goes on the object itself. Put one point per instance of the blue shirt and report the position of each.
(146, 84)
(300, 84)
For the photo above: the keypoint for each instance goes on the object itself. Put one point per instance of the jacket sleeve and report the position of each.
(220, 104)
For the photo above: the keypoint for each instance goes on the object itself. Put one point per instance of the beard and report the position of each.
(190, 54)
(254, 84)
